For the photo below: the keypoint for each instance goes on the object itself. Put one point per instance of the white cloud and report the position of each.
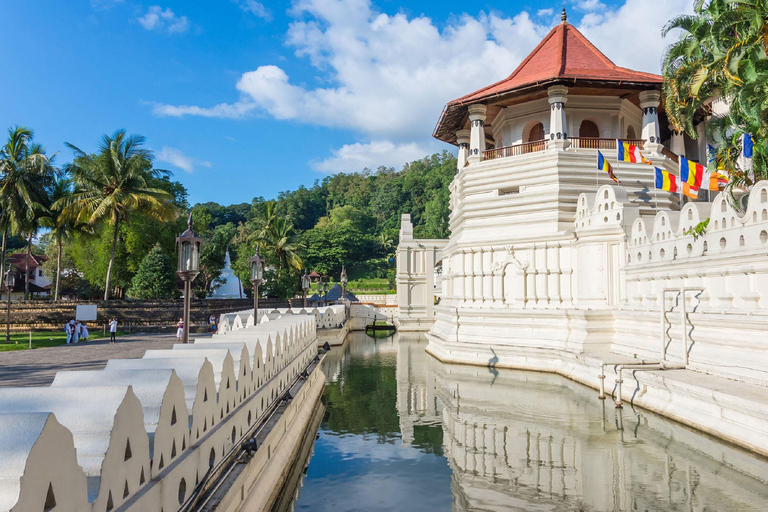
(387, 77)
(356, 157)
(178, 159)
(164, 20)
(590, 5)
(255, 8)
(545, 12)
(639, 23)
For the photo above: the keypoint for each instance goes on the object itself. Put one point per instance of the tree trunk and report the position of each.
(112, 258)
(5, 242)
(26, 270)
(2, 258)
(58, 270)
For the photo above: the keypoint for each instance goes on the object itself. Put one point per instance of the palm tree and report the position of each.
(266, 218)
(385, 242)
(277, 240)
(721, 53)
(25, 175)
(60, 228)
(112, 184)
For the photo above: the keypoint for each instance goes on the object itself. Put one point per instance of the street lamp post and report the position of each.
(326, 288)
(188, 244)
(344, 280)
(305, 286)
(10, 280)
(257, 277)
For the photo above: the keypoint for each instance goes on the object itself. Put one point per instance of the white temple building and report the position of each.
(552, 266)
(228, 284)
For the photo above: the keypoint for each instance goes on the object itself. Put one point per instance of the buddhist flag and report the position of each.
(690, 191)
(691, 172)
(603, 165)
(715, 180)
(748, 146)
(666, 181)
(629, 153)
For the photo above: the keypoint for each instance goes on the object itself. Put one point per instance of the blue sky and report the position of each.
(240, 98)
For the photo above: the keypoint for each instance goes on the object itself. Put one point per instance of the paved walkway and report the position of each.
(39, 366)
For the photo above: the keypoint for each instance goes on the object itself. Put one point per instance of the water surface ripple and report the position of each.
(404, 432)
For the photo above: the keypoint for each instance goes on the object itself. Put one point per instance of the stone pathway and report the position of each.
(38, 367)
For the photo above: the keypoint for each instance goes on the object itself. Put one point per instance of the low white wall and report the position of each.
(146, 439)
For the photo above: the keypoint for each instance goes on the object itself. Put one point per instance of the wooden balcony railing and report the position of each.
(669, 154)
(517, 149)
(596, 143)
(576, 143)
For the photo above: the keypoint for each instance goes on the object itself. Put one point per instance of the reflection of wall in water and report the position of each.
(536, 441)
(416, 401)
(358, 346)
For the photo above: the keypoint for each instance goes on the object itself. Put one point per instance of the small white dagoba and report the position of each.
(231, 287)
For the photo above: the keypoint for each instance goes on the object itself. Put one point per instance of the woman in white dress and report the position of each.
(180, 330)
(84, 332)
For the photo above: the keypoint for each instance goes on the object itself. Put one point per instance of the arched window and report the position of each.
(536, 133)
(631, 133)
(588, 129)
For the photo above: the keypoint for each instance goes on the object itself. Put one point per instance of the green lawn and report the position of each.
(20, 341)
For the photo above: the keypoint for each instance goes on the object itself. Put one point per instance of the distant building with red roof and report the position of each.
(39, 285)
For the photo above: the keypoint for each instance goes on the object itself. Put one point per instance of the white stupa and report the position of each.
(229, 285)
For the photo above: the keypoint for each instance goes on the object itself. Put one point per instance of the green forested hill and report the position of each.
(347, 220)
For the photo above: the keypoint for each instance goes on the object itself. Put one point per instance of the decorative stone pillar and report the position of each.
(558, 135)
(477, 133)
(676, 142)
(649, 103)
(463, 138)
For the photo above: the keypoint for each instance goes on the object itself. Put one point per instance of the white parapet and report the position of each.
(161, 393)
(199, 386)
(143, 442)
(38, 466)
(109, 436)
(223, 372)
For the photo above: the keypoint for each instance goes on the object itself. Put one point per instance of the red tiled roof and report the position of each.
(19, 261)
(314, 274)
(563, 53)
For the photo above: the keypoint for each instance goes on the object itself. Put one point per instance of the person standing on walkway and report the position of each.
(78, 330)
(84, 332)
(74, 329)
(212, 323)
(180, 330)
(68, 332)
(112, 330)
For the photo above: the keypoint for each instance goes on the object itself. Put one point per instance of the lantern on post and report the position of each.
(188, 244)
(10, 280)
(305, 286)
(257, 277)
(344, 280)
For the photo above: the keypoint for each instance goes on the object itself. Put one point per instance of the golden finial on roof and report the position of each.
(564, 16)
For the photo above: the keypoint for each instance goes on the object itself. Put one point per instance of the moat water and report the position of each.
(404, 432)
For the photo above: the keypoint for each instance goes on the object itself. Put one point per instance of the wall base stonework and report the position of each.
(728, 409)
(141, 315)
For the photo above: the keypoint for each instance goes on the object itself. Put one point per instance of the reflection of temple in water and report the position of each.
(531, 441)
(518, 440)
(416, 401)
